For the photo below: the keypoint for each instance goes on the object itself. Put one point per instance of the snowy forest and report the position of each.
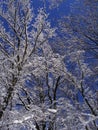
(48, 64)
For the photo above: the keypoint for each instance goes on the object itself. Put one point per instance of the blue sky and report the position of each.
(55, 13)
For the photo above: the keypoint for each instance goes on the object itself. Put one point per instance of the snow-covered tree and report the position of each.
(38, 91)
(22, 36)
(79, 43)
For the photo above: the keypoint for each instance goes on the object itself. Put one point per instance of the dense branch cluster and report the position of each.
(45, 81)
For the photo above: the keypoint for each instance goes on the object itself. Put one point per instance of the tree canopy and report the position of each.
(46, 79)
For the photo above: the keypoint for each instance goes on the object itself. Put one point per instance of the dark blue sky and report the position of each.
(63, 9)
(55, 13)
